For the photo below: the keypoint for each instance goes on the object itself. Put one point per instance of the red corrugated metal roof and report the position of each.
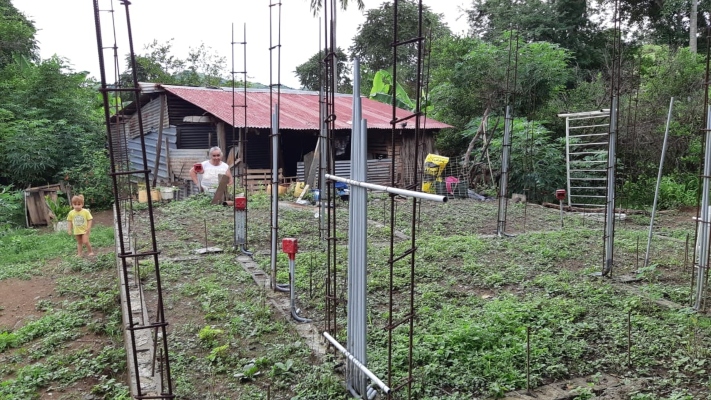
(299, 109)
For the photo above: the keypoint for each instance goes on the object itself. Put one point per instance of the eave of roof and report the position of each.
(299, 110)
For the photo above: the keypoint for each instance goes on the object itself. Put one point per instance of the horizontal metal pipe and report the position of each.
(389, 189)
(357, 363)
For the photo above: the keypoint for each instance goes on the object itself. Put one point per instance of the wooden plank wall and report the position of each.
(410, 162)
(380, 145)
(36, 206)
(181, 160)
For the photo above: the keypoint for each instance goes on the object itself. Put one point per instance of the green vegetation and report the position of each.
(77, 338)
(478, 298)
(29, 245)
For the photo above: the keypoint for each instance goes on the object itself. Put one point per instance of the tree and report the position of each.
(664, 22)
(564, 22)
(203, 66)
(316, 5)
(157, 64)
(17, 34)
(48, 114)
(373, 41)
(470, 75)
(310, 72)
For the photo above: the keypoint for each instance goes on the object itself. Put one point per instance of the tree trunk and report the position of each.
(482, 129)
(693, 25)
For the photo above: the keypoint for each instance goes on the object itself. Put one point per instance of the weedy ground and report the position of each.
(479, 300)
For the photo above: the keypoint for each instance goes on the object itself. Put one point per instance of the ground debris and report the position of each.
(603, 386)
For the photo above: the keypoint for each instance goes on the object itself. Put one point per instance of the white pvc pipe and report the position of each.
(357, 363)
(389, 189)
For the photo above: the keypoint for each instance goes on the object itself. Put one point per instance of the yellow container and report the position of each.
(282, 189)
(143, 195)
(298, 188)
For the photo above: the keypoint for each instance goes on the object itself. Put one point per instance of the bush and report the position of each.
(60, 207)
(12, 210)
(91, 178)
(674, 192)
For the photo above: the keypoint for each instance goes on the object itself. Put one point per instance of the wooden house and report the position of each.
(181, 123)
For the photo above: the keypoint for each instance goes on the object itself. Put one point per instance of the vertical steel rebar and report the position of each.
(629, 338)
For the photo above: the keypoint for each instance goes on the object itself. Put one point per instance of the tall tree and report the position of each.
(316, 5)
(203, 66)
(17, 34)
(665, 22)
(310, 72)
(156, 64)
(567, 23)
(469, 76)
(48, 115)
(373, 41)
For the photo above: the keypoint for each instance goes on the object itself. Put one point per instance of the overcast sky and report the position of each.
(67, 29)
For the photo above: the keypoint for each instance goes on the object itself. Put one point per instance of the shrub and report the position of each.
(674, 191)
(91, 178)
(11, 208)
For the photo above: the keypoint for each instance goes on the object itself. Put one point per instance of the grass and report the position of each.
(478, 298)
(77, 339)
(29, 248)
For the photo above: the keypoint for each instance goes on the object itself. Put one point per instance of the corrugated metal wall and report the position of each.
(378, 171)
(258, 150)
(179, 108)
(134, 152)
(196, 136)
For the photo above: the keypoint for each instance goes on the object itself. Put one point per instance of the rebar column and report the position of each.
(504, 180)
(610, 196)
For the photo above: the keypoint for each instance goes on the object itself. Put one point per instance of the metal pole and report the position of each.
(292, 292)
(702, 242)
(357, 244)
(610, 206)
(567, 155)
(659, 180)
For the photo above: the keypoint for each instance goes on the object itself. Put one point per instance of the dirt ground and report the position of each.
(18, 298)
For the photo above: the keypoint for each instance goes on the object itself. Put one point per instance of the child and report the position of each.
(80, 224)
